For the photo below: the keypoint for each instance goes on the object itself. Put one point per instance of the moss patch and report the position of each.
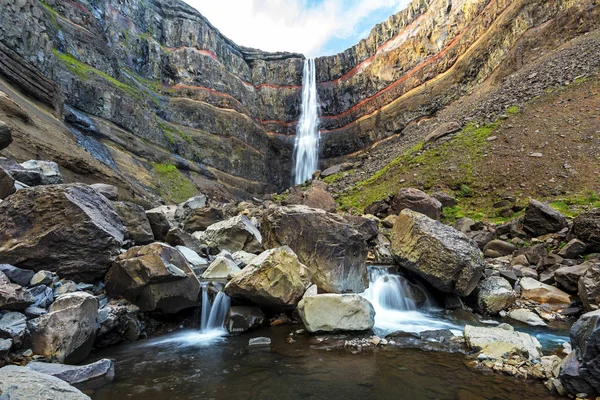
(171, 132)
(172, 185)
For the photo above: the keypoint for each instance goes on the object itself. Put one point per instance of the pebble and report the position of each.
(259, 341)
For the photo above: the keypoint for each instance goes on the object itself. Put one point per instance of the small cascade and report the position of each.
(306, 146)
(213, 314)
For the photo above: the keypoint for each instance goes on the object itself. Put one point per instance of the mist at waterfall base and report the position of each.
(306, 146)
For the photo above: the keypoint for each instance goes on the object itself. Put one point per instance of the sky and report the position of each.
(311, 27)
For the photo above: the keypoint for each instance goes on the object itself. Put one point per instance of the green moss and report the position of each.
(53, 14)
(574, 205)
(172, 185)
(171, 131)
(512, 110)
(335, 177)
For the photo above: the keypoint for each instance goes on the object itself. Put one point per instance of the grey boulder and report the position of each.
(38, 386)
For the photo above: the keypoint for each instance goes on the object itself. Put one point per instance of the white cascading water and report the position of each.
(396, 308)
(306, 147)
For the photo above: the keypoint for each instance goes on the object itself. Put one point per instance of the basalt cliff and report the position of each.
(149, 96)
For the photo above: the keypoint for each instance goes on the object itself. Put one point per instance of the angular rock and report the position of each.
(5, 348)
(442, 130)
(533, 254)
(43, 296)
(487, 340)
(416, 200)
(155, 277)
(42, 278)
(574, 249)
(235, 234)
(244, 318)
(495, 294)
(13, 326)
(192, 257)
(445, 200)
(318, 197)
(201, 218)
(498, 248)
(118, 322)
(586, 227)
(482, 238)
(464, 224)
(441, 255)
(243, 258)
(5, 135)
(135, 221)
(585, 362)
(7, 184)
(109, 191)
(332, 248)
(67, 229)
(380, 208)
(194, 203)
(526, 316)
(336, 312)
(39, 386)
(161, 220)
(19, 276)
(567, 278)
(221, 268)
(588, 287)
(13, 296)
(66, 334)
(274, 279)
(541, 219)
(178, 237)
(544, 294)
(571, 379)
(89, 375)
(64, 287)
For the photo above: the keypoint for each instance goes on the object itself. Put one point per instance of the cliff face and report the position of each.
(153, 82)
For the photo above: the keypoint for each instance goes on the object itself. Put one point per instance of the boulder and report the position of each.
(336, 312)
(13, 326)
(574, 249)
(442, 130)
(586, 227)
(161, 220)
(135, 221)
(544, 294)
(495, 294)
(7, 184)
(201, 218)
(464, 224)
(336, 169)
(67, 229)
(567, 278)
(5, 348)
(244, 318)
(440, 254)
(118, 322)
(192, 257)
(33, 172)
(541, 219)
(19, 276)
(526, 316)
(42, 278)
(498, 248)
(109, 191)
(90, 375)
(571, 379)
(589, 287)
(332, 248)
(380, 208)
(43, 296)
(416, 200)
(222, 267)
(585, 368)
(482, 238)
(178, 237)
(194, 203)
(318, 197)
(13, 296)
(155, 277)
(502, 339)
(39, 386)
(66, 334)
(235, 234)
(445, 200)
(5, 135)
(274, 279)
(243, 258)
(533, 254)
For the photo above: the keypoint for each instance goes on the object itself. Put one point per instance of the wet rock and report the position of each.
(161, 220)
(67, 332)
(190, 205)
(221, 268)
(541, 219)
(118, 322)
(5, 135)
(441, 255)
(589, 287)
(7, 184)
(586, 227)
(544, 294)
(91, 375)
(274, 279)
(109, 191)
(13, 326)
(39, 386)
(13, 296)
(135, 221)
(17, 275)
(259, 341)
(336, 312)
(244, 318)
(235, 234)
(574, 249)
(416, 200)
(526, 316)
(155, 277)
(498, 248)
(330, 246)
(496, 341)
(67, 229)
(495, 294)
(201, 218)
(567, 278)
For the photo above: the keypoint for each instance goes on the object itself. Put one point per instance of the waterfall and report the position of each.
(306, 146)
(213, 315)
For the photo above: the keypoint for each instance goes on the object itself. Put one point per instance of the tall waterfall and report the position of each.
(306, 147)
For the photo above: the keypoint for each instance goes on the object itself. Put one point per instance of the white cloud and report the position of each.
(290, 25)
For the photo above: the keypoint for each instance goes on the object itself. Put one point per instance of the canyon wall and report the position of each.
(153, 82)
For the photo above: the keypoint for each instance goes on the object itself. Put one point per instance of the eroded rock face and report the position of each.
(67, 229)
(440, 254)
(66, 334)
(274, 279)
(155, 277)
(39, 385)
(336, 312)
(332, 248)
(416, 200)
(235, 234)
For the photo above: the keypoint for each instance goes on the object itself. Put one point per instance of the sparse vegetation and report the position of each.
(172, 185)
